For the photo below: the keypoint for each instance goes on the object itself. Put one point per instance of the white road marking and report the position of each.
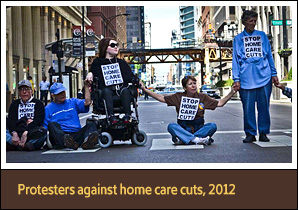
(167, 144)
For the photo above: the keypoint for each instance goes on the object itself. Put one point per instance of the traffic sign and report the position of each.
(280, 22)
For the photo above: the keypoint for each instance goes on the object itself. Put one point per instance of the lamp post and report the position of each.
(108, 21)
(219, 39)
(232, 27)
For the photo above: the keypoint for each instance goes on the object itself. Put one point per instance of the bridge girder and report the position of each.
(175, 55)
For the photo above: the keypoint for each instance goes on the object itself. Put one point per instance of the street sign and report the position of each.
(280, 22)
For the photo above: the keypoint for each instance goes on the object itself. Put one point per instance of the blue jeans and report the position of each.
(186, 135)
(249, 98)
(38, 143)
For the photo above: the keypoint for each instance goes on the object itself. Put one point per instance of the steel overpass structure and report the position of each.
(204, 55)
(176, 55)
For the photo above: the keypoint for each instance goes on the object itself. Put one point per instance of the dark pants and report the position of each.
(44, 94)
(56, 134)
(125, 97)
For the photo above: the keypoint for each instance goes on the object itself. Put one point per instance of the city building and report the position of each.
(29, 30)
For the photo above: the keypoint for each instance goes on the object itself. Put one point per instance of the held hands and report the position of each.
(236, 86)
(275, 80)
(15, 139)
(23, 139)
(89, 79)
(142, 86)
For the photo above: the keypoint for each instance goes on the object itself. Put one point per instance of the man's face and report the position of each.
(25, 93)
(60, 97)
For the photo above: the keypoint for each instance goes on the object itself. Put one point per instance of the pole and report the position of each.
(83, 34)
(220, 67)
(59, 55)
(285, 34)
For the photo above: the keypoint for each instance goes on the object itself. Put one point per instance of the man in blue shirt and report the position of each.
(253, 74)
(63, 123)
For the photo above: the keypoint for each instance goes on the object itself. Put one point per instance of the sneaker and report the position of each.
(127, 119)
(249, 139)
(113, 119)
(202, 141)
(69, 142)
(263, 137)
(90, 141)
(29, 146)
(177, 141)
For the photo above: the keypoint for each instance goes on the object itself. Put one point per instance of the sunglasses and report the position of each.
(113, 45)
(24, 89)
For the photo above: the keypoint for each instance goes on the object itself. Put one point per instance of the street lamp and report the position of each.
(109, 19)
(233, 28)
(219, 39)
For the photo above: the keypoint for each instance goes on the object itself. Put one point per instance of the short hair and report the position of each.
(103, 45)
(248, 14)
(186, 79)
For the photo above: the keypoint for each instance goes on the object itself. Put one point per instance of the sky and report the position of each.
(163, 20)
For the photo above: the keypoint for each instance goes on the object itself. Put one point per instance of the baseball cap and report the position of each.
(57, 88)
(25, 83)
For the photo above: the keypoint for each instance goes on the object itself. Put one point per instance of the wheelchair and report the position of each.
(119, 131)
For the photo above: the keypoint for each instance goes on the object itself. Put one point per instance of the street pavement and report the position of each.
(154, 118)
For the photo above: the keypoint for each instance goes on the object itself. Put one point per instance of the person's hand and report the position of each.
(279, 85)
(236, 86)
(275, 80)
(142, 86)
(29, 121)
(23, 139)
(15, 139)
(87, 82)
(89, 78)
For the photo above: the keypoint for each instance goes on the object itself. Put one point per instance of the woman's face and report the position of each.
(112, 49)
(250, 24)
(191, 87)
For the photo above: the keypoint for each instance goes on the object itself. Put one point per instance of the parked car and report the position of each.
(170, 90)
(210, 90)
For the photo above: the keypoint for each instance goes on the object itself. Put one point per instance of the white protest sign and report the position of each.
(112, 74)
(26, 110)
(253, 46)
(188, 108)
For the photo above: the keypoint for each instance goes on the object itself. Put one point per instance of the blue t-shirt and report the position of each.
(253, 63)
(66, 114)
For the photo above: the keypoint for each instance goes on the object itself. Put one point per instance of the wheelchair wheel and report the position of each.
(139, 138)
(105, 140)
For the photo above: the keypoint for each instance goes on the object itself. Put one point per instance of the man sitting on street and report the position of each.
(25, 117)
(63, 123)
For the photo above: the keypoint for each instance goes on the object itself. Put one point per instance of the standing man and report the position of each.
(44, 88)
(25, 117)
(32, 83)
(63, 123)
(253, 74)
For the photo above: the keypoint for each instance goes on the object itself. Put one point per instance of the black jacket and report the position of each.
(14, 115)
(96, 70)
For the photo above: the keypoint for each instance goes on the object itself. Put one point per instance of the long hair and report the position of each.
(102, 46)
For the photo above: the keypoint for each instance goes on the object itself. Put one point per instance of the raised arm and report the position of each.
(223, 101)
(156, 96)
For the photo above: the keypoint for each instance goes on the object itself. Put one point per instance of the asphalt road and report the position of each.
(154, 118)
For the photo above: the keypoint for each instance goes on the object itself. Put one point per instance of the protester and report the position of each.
(63, 123)
(253, 74)
(44, 88)
(32, 83)
(190, 107)
(114, 75)
(25, 117)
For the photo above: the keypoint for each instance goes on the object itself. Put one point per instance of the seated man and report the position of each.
(63, 123)
(25, 117)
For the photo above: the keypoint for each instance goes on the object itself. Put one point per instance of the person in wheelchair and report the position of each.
(113, 75)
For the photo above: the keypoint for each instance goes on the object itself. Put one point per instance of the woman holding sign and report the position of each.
(114, 74)
(254, 73)
(190, 106)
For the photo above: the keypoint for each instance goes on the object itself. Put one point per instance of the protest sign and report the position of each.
(188, 108)
(112, 74)
(253, 46)
(26, 110)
